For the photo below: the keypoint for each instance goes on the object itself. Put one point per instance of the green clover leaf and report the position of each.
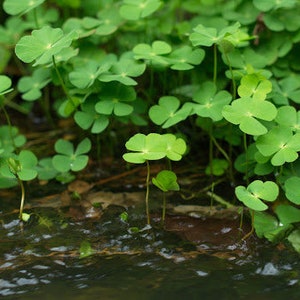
(5, 84)
(292, 189)
(257, 192)
(210, 103)
(85, 75)
(240, 60)
(107, 22)
(88, 117)
(31, 86)
(15, 7)
(166, 181)
(144, 147)
(288, 214)
(153, 147)
(266, 5)
(289, 88)
(208, 36)
(175, 147)
(153, 54)
(281, 144)
(217, 168)
(22, 166)
(123, 70)
(254, 86)
(114, 98)
(288, 116)
(45, 169)
(185, 58)
(245, 112)
(68, 159)
(10, 138)
(167, 113)
(43, 44)
(137, 9)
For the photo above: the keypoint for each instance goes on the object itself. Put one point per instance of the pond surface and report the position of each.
(42, 261)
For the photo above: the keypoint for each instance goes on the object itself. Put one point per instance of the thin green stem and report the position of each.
(147, 192)
(232, 76)
(163, 217)
(62, 83)
(219, 199)
(252, 226)
(22, 197)
(36, 18)
(215, 64)
(246, 156)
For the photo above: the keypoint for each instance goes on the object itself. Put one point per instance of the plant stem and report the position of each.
(252, 226)
(246, 157)
(36, 18)
(147, 192)
(163, 217)
(219, 199)
(22, 197)
(215, 64)
(62, 83)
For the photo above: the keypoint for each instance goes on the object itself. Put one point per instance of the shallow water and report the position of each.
(43, 262)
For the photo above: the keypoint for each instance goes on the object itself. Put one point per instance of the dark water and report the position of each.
(42, 262)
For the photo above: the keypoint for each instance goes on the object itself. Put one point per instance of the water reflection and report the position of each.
(43, 263)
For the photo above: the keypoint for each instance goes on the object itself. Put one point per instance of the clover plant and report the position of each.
(222, 75)
(153, 147)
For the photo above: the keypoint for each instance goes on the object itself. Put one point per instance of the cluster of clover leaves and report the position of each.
(229, 69)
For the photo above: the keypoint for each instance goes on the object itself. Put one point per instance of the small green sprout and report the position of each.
(23, 168)
(166, 181)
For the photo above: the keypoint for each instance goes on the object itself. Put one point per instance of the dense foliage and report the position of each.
(226, 69)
